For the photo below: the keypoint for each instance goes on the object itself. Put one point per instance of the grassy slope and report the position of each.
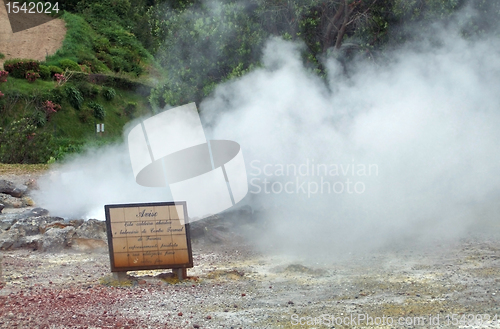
(66, 122)
(66, 125)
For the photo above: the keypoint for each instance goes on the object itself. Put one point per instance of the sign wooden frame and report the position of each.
(150, 253)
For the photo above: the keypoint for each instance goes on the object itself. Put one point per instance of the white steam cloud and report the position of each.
(420, 131)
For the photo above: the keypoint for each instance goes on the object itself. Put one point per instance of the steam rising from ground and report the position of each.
(426, 123)
(421, 132)
(83, 185)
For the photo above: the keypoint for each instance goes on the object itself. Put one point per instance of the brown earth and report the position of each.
(34, 43)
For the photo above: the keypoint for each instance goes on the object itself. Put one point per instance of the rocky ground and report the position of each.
(66, 283)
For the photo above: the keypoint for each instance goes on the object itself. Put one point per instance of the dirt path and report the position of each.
(35, 43)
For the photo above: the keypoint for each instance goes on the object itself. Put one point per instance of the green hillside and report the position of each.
(99, 75)
(122, 59)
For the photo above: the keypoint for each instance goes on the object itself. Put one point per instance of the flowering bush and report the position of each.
(21, 142)
(50, 108)
(59, 78)
(19, 67)
(31, 76)
(3, 76)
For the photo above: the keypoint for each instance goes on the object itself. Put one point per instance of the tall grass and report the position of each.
(107, 48)
(78, 42)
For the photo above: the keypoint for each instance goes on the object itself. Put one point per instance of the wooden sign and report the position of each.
(148, 236)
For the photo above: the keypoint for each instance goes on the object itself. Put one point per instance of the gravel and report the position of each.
(249, 289)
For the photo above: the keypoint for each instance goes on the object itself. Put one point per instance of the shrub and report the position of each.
(74, 97)
(22, 142)
(56, 95)
(39, 119)
(19, 67)
(85, 68)
(96, 66)
(3, 76)
(99, 112)
(32, 76)
(69, 64)
(60, 79)
(64, 147)
(50, 108)
(108, 93)
(94, 91)
(44, 72)
(2, 56)
(130, 109)
(79, 76)
(88, 90)
(55, 70)
(84, 88)
(101, 44)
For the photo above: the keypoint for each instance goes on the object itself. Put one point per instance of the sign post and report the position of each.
(149, 236)
(99, 129)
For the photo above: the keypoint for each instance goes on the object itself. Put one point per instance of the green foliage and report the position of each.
(39, 119)
(203, 46)
(130, 109)
(18, 68)
(85, 115)
(78, 39)
(87, 90)
(32, 76)
(98, 110)
(93, 63)
(22, 142)
(44, 72)
(69, 64)
(99, 42)
(94, 91)
(74, 97)
(2, 56)
(120, 15)
(108, 93)
(56, 95)
(424, 9)
(63, 147)
(55, 69)
(199, 46)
